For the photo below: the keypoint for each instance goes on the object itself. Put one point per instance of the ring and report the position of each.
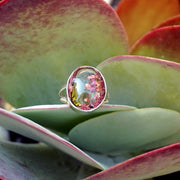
(85, 90)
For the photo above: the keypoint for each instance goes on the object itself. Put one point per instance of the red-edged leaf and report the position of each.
(43, 41)
(154, 163)
(61, 117)
(161, 43)
(140, 16)
(170, 22)
(142, 81)
(32, 130)
(11, 169)
(128, 131)
(39, 162)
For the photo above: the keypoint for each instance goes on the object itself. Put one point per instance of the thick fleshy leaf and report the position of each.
(38, 162)
(161, 43)
(32, 130)
(170, 22)
(109, 161)
(140, 16)
(62, 117)
(128, 131)
(24, 126)
(154, 163)
(43, 41)
(142, 82)
(11, 169)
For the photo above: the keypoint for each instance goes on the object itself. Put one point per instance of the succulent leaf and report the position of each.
(61, 117)
(140, 16)
(170, 22)
(161, 43)
(38, 162)
(142, 82)
(32, 130)
(11, 169)
(26, 127)
(154, 163)
(128, 131)
(43, 41)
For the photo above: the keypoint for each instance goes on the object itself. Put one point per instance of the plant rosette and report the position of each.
(137, 49)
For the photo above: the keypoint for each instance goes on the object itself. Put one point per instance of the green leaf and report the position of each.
(39, 162)
(155, 163)
(109, 161)
(12, 169)
(128, 131)
(61, 117)
(161, 43)
(32, 130)
(24, 126)
(142, 82)
(42, 42)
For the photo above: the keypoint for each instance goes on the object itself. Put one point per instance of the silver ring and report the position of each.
(86, 89)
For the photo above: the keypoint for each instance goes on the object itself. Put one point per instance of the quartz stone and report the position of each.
(86, 88)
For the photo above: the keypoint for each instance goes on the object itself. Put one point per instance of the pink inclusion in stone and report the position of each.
(86, 88)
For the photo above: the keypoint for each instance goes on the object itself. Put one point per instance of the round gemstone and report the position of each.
(86, 88)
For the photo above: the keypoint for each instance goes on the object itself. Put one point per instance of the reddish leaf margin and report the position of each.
(154, 163)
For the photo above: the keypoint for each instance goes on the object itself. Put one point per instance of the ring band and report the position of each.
(85, 90)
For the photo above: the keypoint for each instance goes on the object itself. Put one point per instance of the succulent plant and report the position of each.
(137, 49)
